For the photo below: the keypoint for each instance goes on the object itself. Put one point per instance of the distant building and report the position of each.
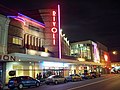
(91, 51)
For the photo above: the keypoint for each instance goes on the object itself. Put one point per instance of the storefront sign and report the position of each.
(54, 64)
(12, 73)
(54, 29)
(7, 58)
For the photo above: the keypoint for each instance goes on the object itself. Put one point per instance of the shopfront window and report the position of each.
(81, 51)
(49, 72)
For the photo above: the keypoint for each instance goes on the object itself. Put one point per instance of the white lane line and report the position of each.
(90, 84)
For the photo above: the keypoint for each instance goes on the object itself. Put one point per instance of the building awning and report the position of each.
(33, 58)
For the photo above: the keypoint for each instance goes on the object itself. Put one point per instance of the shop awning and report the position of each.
(33, 58)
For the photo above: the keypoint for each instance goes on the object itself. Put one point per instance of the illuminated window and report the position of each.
(14, 40)
(72, 52)
(29, 39)
(82, 51)
(25, 38)
(76, 51)
(32, 39)
(35, 41)
(17, 40)
(20, 42)
(38, 42)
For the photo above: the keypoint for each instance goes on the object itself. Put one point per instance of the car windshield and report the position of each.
(51, 76)
(13, 78)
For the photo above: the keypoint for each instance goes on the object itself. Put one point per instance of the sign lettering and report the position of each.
(54, 29)
(7, 58)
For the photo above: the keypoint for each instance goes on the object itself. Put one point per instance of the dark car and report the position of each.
(55, 79)
(74, 77)
(22, 81)
(95, 74)
(1, 85)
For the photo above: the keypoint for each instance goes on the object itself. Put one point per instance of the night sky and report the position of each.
(82, 19)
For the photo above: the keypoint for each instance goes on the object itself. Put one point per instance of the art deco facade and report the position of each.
(25, 36)
(32, 42)
(26, 41)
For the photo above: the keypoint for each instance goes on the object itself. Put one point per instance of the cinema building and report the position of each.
(29, 46)
(32, 42)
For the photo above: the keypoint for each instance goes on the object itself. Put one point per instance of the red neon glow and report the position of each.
(54, 24)
(54, 13)
(20, 20)
(106, 57)
(53, 35)
(53, 41)
(54, 29)
(53, 18)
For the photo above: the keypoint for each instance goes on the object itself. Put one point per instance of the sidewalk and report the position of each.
(104, 75)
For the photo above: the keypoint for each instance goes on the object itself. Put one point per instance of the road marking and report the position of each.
(90, 83)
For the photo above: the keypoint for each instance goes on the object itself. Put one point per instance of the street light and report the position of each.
(114, 52)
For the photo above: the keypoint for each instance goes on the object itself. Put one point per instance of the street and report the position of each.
(107, 82)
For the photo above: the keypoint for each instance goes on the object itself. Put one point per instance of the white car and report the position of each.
(55, 79)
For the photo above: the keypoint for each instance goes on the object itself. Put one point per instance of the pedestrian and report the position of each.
(40, 76)
(37, 77)
(44, 75)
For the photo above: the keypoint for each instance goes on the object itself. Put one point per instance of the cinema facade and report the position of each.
(29, 46)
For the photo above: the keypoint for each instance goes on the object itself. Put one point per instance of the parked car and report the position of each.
(22, 81)
(1, 85)
(74, 77)
(55, 79)
(95, 74)
(86, 76)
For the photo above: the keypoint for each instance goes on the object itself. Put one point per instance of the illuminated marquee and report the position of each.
(54, 29)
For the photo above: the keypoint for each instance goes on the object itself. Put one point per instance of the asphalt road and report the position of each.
(107, 82)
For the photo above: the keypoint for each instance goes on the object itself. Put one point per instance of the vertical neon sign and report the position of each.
(59, 31)
(54, 29)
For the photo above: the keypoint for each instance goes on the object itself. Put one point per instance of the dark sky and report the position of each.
(82, 19)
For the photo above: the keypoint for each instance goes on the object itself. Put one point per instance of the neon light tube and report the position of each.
(59, 31)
